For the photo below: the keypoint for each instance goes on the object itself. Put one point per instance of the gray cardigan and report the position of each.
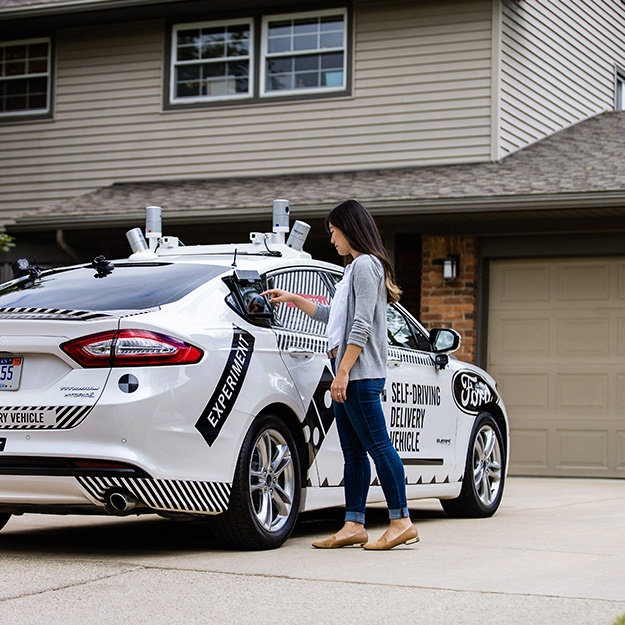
(365, 322)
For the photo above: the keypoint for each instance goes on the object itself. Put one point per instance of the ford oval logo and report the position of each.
(471, 392)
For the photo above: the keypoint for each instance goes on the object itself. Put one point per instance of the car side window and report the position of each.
(309, 283)
(402, 333)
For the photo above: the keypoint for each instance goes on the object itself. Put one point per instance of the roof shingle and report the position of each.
(583, 163)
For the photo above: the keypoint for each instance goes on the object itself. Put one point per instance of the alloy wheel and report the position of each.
(487, 465)
(272, 480)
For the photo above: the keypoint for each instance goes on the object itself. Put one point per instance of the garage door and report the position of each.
(556, 345)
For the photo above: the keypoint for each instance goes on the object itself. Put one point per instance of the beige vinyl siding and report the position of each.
(421, 95)
(557, 65)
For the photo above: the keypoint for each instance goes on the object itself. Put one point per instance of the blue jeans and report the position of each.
(362, 430)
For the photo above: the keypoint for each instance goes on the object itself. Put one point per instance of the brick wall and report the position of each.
(450, 303)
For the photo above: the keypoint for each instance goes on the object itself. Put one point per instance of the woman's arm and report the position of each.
(338, 389)
(367, 280)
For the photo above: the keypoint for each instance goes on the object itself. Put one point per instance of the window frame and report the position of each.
(38, 113)
(290, 278)
(174, 63)
(254, 96)
(265, 54)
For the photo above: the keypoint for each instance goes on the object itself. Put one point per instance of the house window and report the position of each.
(304, 53)
(25, 77)
(212, 61)
(299, 54)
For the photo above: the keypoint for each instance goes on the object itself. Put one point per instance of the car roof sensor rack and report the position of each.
(261, 243)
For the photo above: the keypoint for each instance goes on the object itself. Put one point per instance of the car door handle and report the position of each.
(393, 362)
(294, 352)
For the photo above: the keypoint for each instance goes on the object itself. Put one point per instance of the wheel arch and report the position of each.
(497, 413)
(252, 520)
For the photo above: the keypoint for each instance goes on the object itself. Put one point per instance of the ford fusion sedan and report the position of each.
(165, 383)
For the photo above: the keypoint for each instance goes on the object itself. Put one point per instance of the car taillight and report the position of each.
(131, 348)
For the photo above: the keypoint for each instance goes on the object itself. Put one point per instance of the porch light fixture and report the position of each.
(450, 266)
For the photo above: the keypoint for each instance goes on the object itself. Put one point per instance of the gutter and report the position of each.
(62, 243)
(73, 6)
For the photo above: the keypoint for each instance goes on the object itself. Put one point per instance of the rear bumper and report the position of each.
(89, 494)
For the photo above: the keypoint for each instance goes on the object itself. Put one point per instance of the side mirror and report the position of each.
(444, 340)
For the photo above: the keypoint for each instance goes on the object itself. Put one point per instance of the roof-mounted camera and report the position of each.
(281, 213)
(153, 245)
(141, 249)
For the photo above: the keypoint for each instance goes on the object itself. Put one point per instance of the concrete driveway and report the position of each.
(554, 554)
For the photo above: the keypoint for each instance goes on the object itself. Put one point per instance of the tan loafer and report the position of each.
(409, 537)
(356, 540)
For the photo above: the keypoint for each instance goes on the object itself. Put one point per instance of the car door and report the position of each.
(303, 347)
(418, 403)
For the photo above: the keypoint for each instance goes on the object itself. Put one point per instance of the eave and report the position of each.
(580, 205)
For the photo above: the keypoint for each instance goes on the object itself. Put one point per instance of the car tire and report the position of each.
(484, 475)
(266, 489)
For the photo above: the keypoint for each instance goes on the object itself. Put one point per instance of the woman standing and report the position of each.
(357, 338)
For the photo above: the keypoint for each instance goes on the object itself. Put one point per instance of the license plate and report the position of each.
(10, 373)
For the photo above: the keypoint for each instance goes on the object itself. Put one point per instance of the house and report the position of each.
(487, 132)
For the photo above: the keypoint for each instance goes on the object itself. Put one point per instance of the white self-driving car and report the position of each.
(165, 383)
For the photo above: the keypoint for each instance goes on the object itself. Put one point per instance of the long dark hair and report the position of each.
(362, 234)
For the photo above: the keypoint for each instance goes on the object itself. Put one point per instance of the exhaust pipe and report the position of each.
(120, 503)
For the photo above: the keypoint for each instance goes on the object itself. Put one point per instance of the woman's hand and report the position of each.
(277, 296)
(338, 389)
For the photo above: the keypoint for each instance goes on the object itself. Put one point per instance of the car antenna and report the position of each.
(234, 260)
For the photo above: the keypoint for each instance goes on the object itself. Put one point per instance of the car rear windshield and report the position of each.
(128, 287)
